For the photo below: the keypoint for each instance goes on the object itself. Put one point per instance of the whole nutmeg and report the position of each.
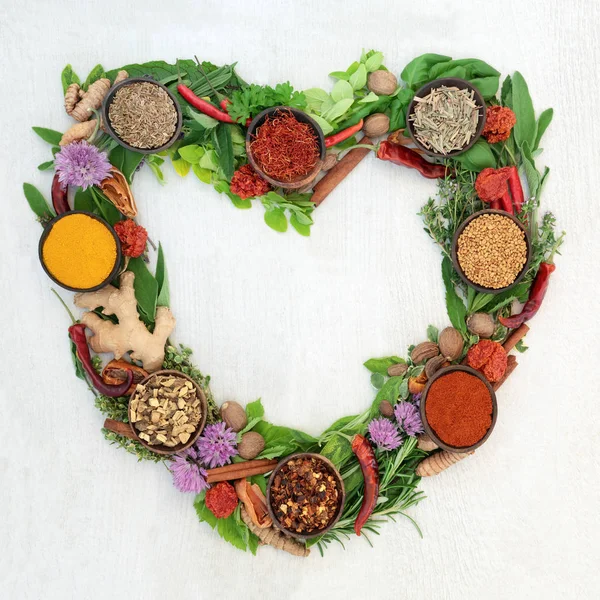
(481, 324)
(424, 442)
(382, 83)
(451, 343)
(434, 365)
(376, 124)
(234, 415)
(424, 351)
(386, 409)
(329, 162)
(251, 445)
(397, 370)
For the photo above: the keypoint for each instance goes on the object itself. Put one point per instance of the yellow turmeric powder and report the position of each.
(80, 251)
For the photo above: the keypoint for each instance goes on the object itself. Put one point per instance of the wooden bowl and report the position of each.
(461, 84)
(342, 498)
(113, 134)
(455, 262)
(303, 118)
(431, 433)
(166, 450)
(46, 233)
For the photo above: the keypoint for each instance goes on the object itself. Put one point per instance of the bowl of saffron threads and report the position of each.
(286, 147)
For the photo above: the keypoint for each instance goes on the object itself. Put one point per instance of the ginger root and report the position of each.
(438, 462)
(80, 104)
(79, 131)
(130, 334)
(274, 537)
(121, 76)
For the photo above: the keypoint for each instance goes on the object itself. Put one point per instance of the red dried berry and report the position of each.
(221, 500)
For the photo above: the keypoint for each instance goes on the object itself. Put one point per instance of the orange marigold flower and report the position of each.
(221, 500)
(247, 183)
(133, 237)
(499, 122)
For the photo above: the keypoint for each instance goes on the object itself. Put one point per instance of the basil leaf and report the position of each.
(96, 73)
(339, 75)
(487, 86)
(478, 157)
(542, 124)
(254, 410)
(301, 228)
(275, 218)
(343, 89)
(380, 365)
(224, 148)
(525, 128)
(162, 279)
(48, 135)
(358, 79)
(338, 109)
(416, 72)
(46, 166)
(457, 311)
(290, 439)
(37, 202)
(146, 289)
(67, 77)
(374, 62)
(192, 153)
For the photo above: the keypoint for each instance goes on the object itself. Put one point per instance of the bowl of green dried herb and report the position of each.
(446, 117)
(142, 115)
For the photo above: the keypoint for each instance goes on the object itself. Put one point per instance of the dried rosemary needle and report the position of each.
(446, 119)
(143, 115)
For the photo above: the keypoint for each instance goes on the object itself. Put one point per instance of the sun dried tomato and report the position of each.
(499, 122)
(247, 183)
(488, 358)
(221, 500)
(133, 237)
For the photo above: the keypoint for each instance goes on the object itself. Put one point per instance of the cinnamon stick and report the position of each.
(119, 428)
(511, 365)
(337, 174)
(515, 337)
(240, 470)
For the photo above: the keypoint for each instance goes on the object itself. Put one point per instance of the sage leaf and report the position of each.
(542, 124)
(67, 77)
(275, 218)
(83, 201)
(377, 380)
(416, 72)
(531, 173)
(48, 135)
(162, 279)
(37, 202)
(506, 93)
(525, 128)
(380, 365)
(224, 148)
(457, 311)
(146, 289)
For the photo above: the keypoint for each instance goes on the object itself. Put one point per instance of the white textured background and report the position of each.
(291, 319)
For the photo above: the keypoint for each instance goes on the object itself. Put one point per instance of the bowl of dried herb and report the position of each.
(305, 495)
(446, 117)
(142, 115)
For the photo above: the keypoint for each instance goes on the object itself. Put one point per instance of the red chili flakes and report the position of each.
(305, 495)
(492, 184)
(221, 500)
(247, 183)
(488, 358)
(499, 122)
(133, 237)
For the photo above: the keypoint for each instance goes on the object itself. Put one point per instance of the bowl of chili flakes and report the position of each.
(305, 495)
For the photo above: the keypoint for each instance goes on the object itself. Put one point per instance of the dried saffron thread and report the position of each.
(285, 148)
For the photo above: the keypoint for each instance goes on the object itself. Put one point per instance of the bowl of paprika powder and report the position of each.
(458, 409)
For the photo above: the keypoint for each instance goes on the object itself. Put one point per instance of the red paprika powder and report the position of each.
(459, 409)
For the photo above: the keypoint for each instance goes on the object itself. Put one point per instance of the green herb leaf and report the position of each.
(531, 173)
(67, 77)
(521, 347)
(432, 333)
(255, 410)
(275, 218)
(374, 62)
(506, 93)
(131, 161)
(457, 311)
(48, 135)
(46, 166)
(204, 120)
(341, 90)
(380, 365)
(224, 148)
(83, 201)
(301, 228)
(478, 157)
(192, 153)
(204, 175)
(358, 79)
(390, 392)
(290, 440)
(525, 128)
(377, 380)
(416, 72)
(339, 75)
(338, 109)
(223, 187)
(38, 203)
(162, 279)
(542, 124)
(146, 289)
(96, 73)
(181, 166)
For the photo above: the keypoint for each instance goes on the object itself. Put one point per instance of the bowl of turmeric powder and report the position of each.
(80, 251)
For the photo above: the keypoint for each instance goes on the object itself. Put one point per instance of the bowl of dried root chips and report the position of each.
(167, 412)
(446, 117)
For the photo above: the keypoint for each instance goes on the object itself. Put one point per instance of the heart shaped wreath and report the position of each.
(256, 482)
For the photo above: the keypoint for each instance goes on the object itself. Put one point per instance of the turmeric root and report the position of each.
(121, 76)
(80, 104)
(273, 537)
(130, 333)
(117, 190)
(79, 131)
(438, 462)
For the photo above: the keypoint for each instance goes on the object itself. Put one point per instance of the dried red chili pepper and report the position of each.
(536, 296)
(202, 105)
(59, 196)
(133, 237)
(221, 500)
(370, 469)
(340, 136)
(491, 186)
(516, 189)
(77, 335)
(401, 155)
(489, 358)
(247, 183)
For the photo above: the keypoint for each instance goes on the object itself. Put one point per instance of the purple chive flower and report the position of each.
(416, 400)
(188, 474)
(409, 418)
(217, 445)
(384, 434)
(81, 164)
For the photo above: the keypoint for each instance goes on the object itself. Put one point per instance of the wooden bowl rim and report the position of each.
(342, 500)
(109, 128)
(429, 430)
(46, 233)
(454, 251)
(161, 449)
(448, 82)
(310, 176)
